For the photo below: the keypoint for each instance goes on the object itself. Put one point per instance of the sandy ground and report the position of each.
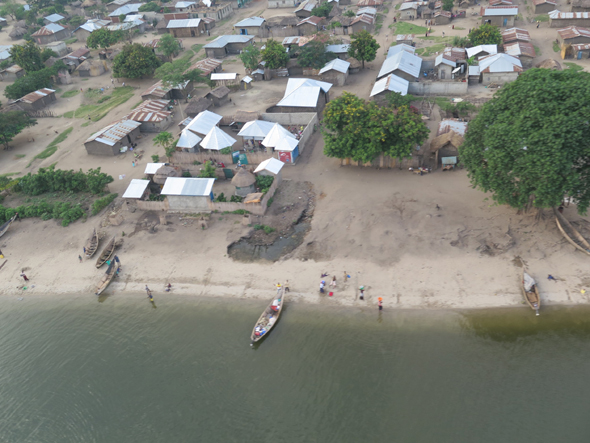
(381, 227)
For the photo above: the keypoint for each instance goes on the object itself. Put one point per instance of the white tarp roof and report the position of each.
(188, 139)
(271, 165)
(216, 140)
(184, 23)
(251, 21)
(277, 133)
(473, 70)
(404, 61)
(391, 83)
(256, 129)
(489, 11)
(490, 49)
(337, 49)
(151, 168)
(188, 186)
(247, 79)
(223, 76)
(136, 188)
(203, 122)
(286, 144)
(336, 65)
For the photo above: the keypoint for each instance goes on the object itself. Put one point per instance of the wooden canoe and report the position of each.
(91, 244)
(571, 234)
(108, 275)
(269, 318)
(6, 225)
(531, 296)
(106, 253)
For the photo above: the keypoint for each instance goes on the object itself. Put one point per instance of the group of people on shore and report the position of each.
(333, 285)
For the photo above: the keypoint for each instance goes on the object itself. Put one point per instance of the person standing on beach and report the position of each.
(286, 286)
(322, 285)
(80, 258)
(333, 282)
(84, 249)
(362, 293)
(22, 274)
(380, 303)
(278, 288)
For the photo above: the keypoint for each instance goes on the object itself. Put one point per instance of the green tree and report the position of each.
(363, 47)
(12, 9)
(46, 53)
(448, 5)
(169, 46)
(349, 13)
(275, 55)
(103, 38)
(12, 123)
(322, 10)
(76, 21)
(149, 7)
(135, 61)
(529, 146)
(208, 170)
(250, 56)
(33, 81)
(177, 72)
(396, 100)
(485, 34)
(314, 55)
(27, 56)
(166, 141)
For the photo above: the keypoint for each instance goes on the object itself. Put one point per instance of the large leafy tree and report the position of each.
(27, 56)
(33, 81)
(448, 5)
(530, 145)
(363, 47)
(275, 55)
(135, 61)
(12, 123)
(166, 141)
(103, 38)
(322, 10)
(169, 46)
(14, 10)
(485, 34)
(250, 56)
(314, 55)
(177, 72)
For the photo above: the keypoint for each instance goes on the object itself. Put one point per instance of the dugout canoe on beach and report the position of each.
(269, 317)
(530, 291)
(106, 253)
(91, 244)
(6, 225)
(571, 234)
(108, 275)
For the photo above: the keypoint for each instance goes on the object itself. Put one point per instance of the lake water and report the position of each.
(121, 371)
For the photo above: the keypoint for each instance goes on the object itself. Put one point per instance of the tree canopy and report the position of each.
(135, 61)
(166, 141)
(322, 10)
(529, 146)
(13, 9)
(362, 131)
(485, 34)
(103, 38)
(363, 47)
(33, 81)
(177, 72)
(250, 56)
(150, 6)
(169, 46)
(27, 56)
(12, 123)
(314, 55)
(275, 55)
(448, 5)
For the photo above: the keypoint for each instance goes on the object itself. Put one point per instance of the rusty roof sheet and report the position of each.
(49, 29)
(313, 20)
(452, 124)
(152, 43)
(500, 2)
(581, 47)
(442, 13)
(80, 52)
(404, 37)
(573, 32)
(363, 3)
(454, 54)
(150, 111)
(206, 66)
(365, 18)
(32, 97)
(114, 132)
(157, 89)
(515, 34)
(542, 2)
(517, 49)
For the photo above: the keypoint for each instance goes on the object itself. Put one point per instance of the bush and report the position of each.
(221, 198)
(101, 203)
(225, 151)
(155, 158)
(52, 180)
(236, 199)
(264, 182)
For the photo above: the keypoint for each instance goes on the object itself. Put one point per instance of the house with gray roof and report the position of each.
(303, 95)
(51, 33)
(403, 64)
(53, 18)
(252, 26)
(128, 9)
(227, 44)
(335, 72)
(83, 31)
(192, 27)
(501, 16)
(111, 139)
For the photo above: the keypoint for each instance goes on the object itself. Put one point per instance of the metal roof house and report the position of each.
(127, 9)
(137, 189)
(499, 68)
(335, 72)
(53, 18)
(525, 51)
(153, 116)
(112, 138)
(305, 8)
(403, 64)
(160, 92)
(83, 31)
(204, 122)
(515, 34)
(500, 16)
(391, 83)
(341, 51)
(558, 19)
(114, 5)
(187, 194)
(34, 101)
(544, 6)
(270, 166)
(50, 33)
(573, 34)
(192, 27)
(227, 44)
(303, 95)
(252, 26)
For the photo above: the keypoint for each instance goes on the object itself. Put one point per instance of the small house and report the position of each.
(341, 51)
(525, 51)
(544, 6)
(282, 4)
(37, 100)
(408, 11)
(499, 68)
(287, 149)
(403, 64)
(580, 6)
(207, 66)
(209, 24)
(227, 44)
(197, 105)
(252, 26)
(442, 17)
(53, 18)
(572, 35)
(388, 84)
(160, 92)
(246, 83)
(73, 59)
(83, 31)
(219, 96)
(305, 8)
(112, 6)
(335, 72)
(127, 9)
(219, 11)
(405, 39)
(310, 25)
(581, 50)
(50, 33)
(473, 75)
(153, 116)
(188, 194)
(558, 19)
(185, 6)
(501, 16)
(188, 141)
(245, 182)
(270, 167)
(449, 137)
(138, 189)
(370, 3)
(59, 48)
(303, 95)
(481, 51)
(92, 68)
(202, 123)
(363, 22)
(192, 27)
(225, 78)
(12, 73)
(216, 140)
(113, 139)
(401, 47)
(515, 35)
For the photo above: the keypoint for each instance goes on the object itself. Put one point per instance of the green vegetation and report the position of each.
(349, 13)
(226, 151)
(71, 93)
(250, 57)
(101, 104)
(12, 123)
(409, 28)
(460, 109)
(363, 47)
(458, 28)
(60, 181)
(538, 51)
(101, 203)
(155, 158)
(149, 7)
(33, 81)
(264, 182)
(314, 55)
(169, 46)
(178, 72)
(397, 6)
(166, 141)
(103, 38)
(64, 211)
(430, 50)
(275, 55)
(265, 228)
(556, 47)
(208, 171)
(322, 10)
(448, 5)
(542, 18)
(530, 149)
(485, 34)
(135, 61)
(71, 40)
(573, 66)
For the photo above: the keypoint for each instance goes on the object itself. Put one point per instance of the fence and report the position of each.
(440, 88)
(307, 119)
(189, 158)
(254, 208)
(152, 205)
(40, 114)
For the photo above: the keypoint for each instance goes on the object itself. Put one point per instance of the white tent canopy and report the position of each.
(188, 139)
(275, 135)
(286, 144)
(216, 140)
(256, 130)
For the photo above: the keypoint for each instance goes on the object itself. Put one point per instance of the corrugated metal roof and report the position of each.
(188, 139)
(362, 3)
(518, 49)
(271, 165)
(136, 188)
(336, 65)
(49, 29)
(365, 18)
(499, 63)
(445, 61)
(313, 20)
(188, 186)
(285, 144)
(369, 11)
(498, 10)
(305, 97)
(53, 18)
(5, 52)
(223, 40)
(250, 21)
(404, 61)
(500, 2)
(124, 26)
(93, 25)
(32, 97)
(400, 47)
(404, 37)
(558, 15)
(473, 70)
(542, 2)
(475, 50)
(408, 5)
(276, 134)
(216, 140)
(114, 132)
(573, 32)
(186, 23)
(452, 124)
(14, 69)
(581, 47)
(181, 5)
(224, 76)
(206, 66)
(256, 129)
(126, 9)
(514, 34)
(290, 41)
(337, 49)
(391, 83)
(247, 79)
(307, 5)
(152, 168)
(443, 14)
(203, 122)
(119, 2)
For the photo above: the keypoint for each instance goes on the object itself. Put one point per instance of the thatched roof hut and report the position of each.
(21, 24)
(197, 105)
(164, 172)
(450, 137)
(549, 64)
(17, 33)
(88, 3)
(240, 117)
(245, 182)
(282, 20)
